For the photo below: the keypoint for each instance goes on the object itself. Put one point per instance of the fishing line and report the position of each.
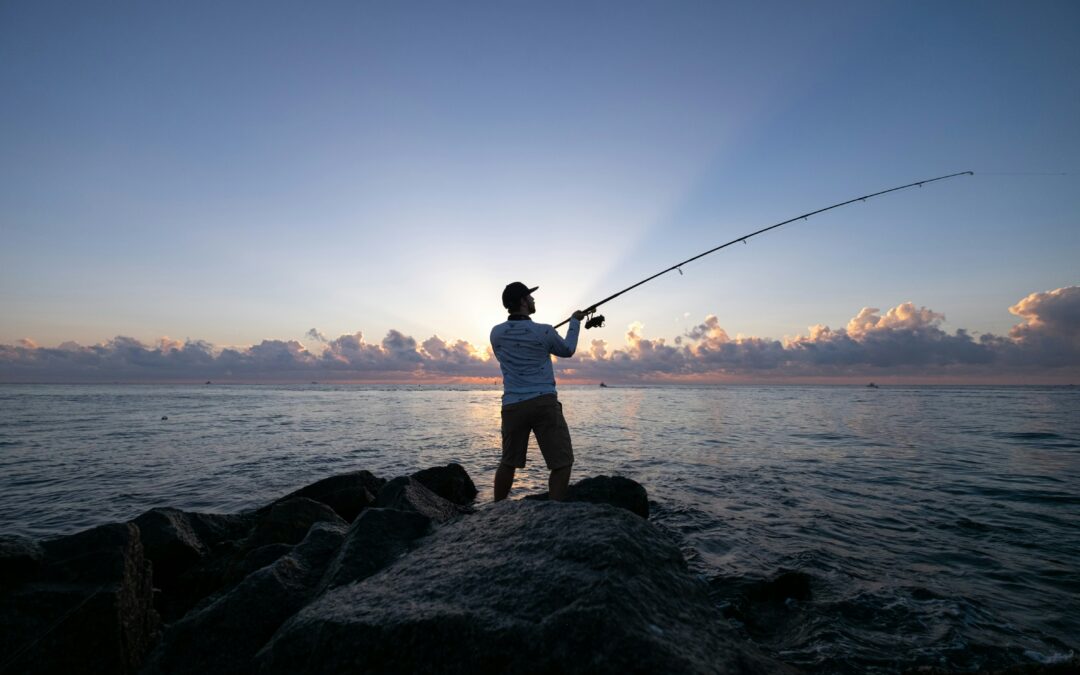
(597, 320)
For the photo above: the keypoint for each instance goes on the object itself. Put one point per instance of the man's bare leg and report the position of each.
(504, 479)
(558, 483)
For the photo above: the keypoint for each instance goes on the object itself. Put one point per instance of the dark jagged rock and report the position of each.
(170, 542)
(263, 556)
(177, 542)
(214, 528)
(222, 634)
(215, 571)
(89, 610)
(614, 490)
(765, 607)
(347, 494)
(226, 563)
(408, 494)
(376, 539)
(288, 522)
(524, 587)
(20, 559)
(451, 482)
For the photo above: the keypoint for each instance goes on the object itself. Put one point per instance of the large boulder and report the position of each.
(614, 490)
(225, 560)
(88, 610)
(451, 482)
(347, 494)
(170, 542)
(408, 494)
(288, 522)
(223, 633)
(524, 587)
(375, 539)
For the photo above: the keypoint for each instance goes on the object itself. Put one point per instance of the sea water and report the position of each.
(919, 525)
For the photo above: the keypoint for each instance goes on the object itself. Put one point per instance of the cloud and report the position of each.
(1050, 331)
(904, 341)
(316, 336)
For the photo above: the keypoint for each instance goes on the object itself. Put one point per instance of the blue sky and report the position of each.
(247, 172)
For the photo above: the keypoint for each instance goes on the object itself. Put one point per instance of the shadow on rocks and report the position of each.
(222, 634)
(85, 604)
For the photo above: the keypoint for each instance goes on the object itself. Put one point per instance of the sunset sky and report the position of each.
(339, 191)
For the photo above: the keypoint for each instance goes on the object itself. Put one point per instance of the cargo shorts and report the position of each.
(543, 416)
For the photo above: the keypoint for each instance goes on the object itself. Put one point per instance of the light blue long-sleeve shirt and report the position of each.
(524, 350)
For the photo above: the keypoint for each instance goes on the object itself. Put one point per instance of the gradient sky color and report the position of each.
(234, 172)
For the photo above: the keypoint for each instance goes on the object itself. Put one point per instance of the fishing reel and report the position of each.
(594, 320)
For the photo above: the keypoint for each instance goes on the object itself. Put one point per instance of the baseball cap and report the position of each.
(514, 292)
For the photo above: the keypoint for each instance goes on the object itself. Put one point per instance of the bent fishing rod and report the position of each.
(597, 320)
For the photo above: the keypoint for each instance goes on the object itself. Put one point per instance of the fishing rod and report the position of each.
(597, 320)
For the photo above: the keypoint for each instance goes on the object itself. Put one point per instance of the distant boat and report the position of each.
(603, 385)
(872, 386)
(209, 382)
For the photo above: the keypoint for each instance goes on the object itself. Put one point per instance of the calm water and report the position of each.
(932, 525)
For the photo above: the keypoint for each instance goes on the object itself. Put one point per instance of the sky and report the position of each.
(294, 191)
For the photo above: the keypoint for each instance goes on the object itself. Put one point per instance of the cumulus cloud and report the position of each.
(903, 341)
(1050, 331)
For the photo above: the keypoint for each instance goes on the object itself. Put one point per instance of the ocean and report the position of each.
(842, 529)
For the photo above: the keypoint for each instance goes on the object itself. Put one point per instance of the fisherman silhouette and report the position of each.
(530, 403)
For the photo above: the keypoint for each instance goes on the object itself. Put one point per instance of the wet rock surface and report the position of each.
(521, 587)
(355, 573)
(614, 490)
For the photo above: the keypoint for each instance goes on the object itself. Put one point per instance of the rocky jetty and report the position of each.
(358, 574)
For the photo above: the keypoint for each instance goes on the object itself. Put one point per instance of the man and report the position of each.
(530, 404)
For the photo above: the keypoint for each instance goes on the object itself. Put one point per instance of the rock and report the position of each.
(288, 522)
(20, 560)
(408, 494)
(451, 482)
(347, 494)
(177, 542)
(276, 529)
(376, 539)
(170, 542)
(214, 528)
(89, 609)
(523, 587)
(614, 490)
(263, 556)
(766, 607)
(222, 634)
(221, 566)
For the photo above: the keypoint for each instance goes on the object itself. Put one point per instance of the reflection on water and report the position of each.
(930, 525)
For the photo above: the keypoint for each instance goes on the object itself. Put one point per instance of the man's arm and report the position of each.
(557, 345)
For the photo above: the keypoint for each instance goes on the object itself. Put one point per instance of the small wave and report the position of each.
(1048, 659)
(1027, 435)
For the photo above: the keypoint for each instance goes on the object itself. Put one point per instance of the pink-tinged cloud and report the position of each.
(905, 342)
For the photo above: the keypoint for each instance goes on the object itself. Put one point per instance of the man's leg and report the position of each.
(504, 479)
(558, 483)
(553, 437)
